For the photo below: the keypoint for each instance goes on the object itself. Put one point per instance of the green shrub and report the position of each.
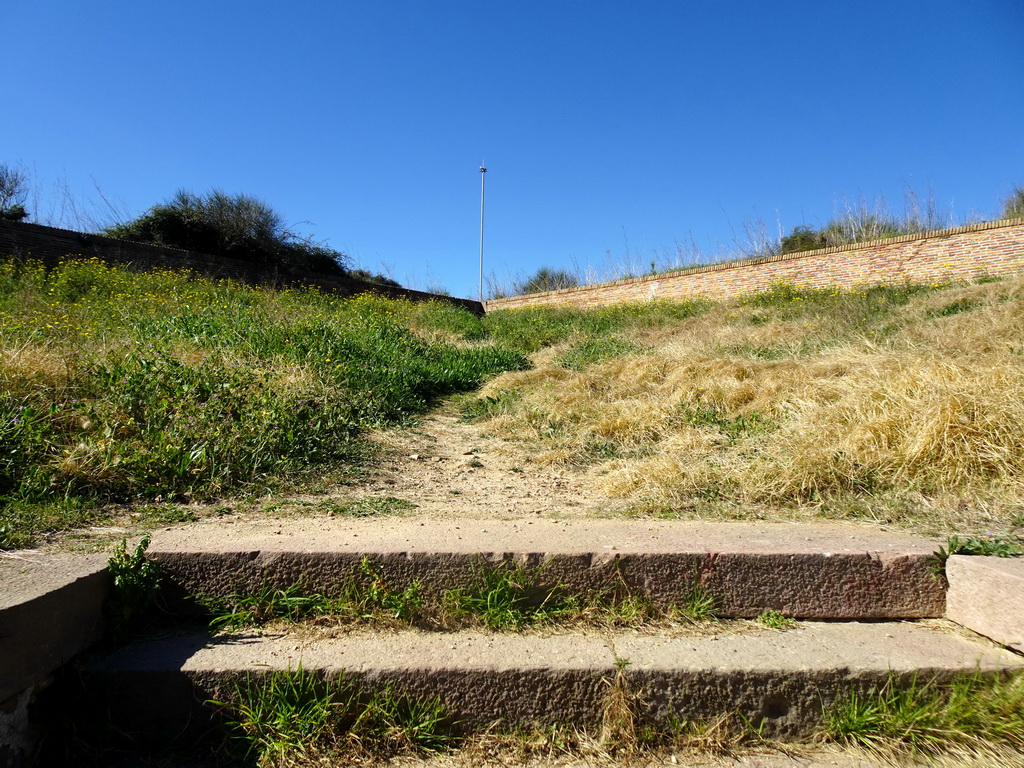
(1013, 206)
(238, 226)
(546, 279)
(802, 239)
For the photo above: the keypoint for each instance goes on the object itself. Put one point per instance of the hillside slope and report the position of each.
(899, 404)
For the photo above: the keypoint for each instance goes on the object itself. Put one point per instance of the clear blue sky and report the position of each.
(611, 130)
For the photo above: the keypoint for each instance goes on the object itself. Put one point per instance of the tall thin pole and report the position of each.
(480, 291)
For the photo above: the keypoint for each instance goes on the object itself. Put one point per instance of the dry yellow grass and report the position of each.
(914, 414)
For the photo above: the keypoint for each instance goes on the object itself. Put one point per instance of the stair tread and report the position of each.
(604, 536)
(854, 647)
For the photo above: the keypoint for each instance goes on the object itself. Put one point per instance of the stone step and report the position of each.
(811, 571)
(778, 680)
(986, 594)
(51, 608)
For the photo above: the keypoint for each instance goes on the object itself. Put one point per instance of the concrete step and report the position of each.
(811, 571)
(51, 608)
(783, 679)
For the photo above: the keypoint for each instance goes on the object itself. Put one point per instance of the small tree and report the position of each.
(13, 193)
(546, 279)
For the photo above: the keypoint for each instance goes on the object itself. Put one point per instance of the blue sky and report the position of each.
(612, 131)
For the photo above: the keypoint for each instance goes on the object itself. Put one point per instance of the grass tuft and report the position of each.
(508, 596)
(288, 717)
(931, 718)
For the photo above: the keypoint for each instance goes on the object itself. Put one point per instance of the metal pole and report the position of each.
(480, 291)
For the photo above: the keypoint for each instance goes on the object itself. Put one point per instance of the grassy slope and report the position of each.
(115, 386)
(898, 404)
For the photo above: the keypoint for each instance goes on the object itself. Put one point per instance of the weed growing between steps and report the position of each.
(976, 713)
(136, 583)
(119, 386)
(775, 620)
(991, 545)
(300, 718)
(499, 597)
(364, 597)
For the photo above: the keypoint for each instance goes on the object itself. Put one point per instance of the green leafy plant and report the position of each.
(992, 545)
(404, 605)
(136, 583)
(774, 620)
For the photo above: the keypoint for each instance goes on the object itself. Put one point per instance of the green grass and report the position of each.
(972, 711)
(699, 605)
(509, 596)
(502, 597)
(366, 596)
(373, 506)
(590, 351)
(164, 385)
(268, 603)
(297, 715)
(743, 425)
(533, 328)
(858, 306)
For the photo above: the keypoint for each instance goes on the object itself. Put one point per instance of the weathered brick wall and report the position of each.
(52, 246)
(993, 248)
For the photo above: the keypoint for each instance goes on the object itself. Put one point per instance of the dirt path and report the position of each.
(452, 469)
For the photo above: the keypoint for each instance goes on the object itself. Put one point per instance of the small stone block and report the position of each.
(986, 595)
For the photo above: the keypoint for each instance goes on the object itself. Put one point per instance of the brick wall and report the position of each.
(993, 248)
(52, 246)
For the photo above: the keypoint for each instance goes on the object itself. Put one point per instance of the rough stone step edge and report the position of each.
(835, 586)
(783, 680)
(808, 570)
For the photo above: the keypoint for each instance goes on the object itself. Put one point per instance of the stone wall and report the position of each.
(52, 246)
(976, 250)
